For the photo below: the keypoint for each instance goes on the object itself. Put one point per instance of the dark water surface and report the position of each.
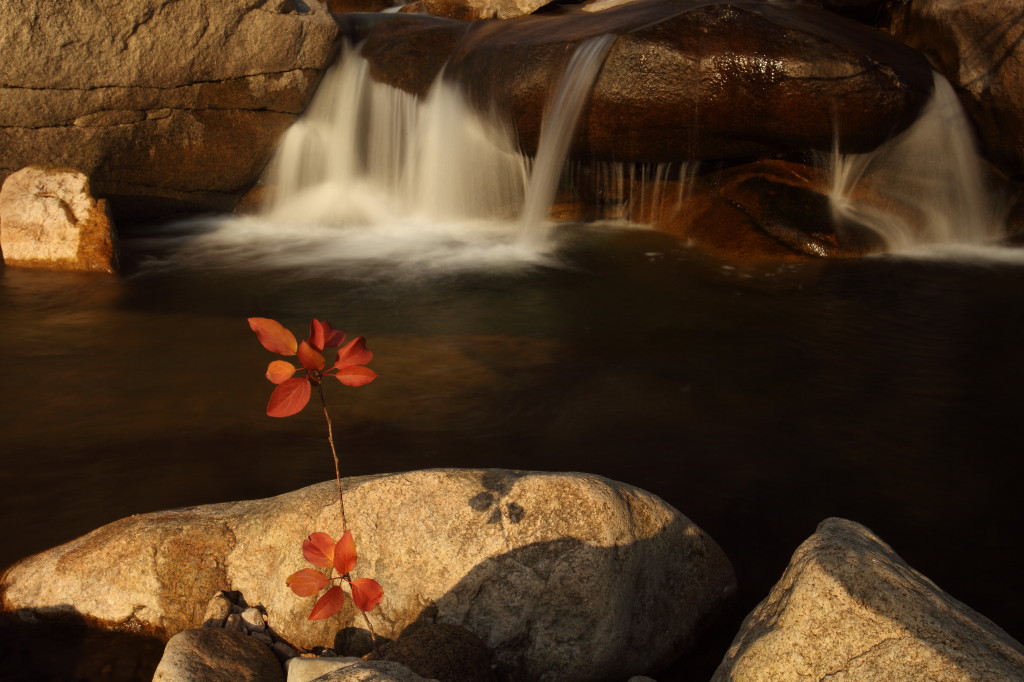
(758, 401)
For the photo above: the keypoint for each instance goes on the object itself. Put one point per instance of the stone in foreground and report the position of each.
(849, 608)
(216, 655)
(49, 219)
(563, 576)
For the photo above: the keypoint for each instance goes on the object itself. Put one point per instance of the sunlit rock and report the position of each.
(564, 576)
(160, 103)
(979, 46)
(473, 10)
(49, 219)
(849, 608)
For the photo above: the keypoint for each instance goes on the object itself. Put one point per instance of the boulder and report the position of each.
(372, 671)
(440, 651)
(217, 655)
(474, 10)
(849, 608)
(563, 576)
(979, 46)
(49, 219)
(684, 80)
(160, 103)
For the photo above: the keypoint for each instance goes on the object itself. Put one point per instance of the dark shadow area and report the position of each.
(71, 649)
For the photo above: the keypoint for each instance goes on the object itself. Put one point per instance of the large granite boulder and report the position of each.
(849, 608)
(563, 576)
(49, 219)
(979, 46)
(684, 80)
(163, 103)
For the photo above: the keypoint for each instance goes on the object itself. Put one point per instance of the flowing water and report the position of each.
(757, 400)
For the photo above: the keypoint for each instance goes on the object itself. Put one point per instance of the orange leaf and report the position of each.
(355, 376)
(310, 358)
(289, 397)
(329, 604)
(319, 549)
(345, 554)
(280, 370)
(307, 582)
(354, 353)
(273, 336)
(323, 335)
(366, 593)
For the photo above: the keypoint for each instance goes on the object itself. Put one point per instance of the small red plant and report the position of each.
(321, 550)
(290, 395)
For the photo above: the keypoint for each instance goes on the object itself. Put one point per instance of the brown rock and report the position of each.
(217, 655)
(979, 46)
(49, 219)
(849, 608)
(159, 103)
(441, 651)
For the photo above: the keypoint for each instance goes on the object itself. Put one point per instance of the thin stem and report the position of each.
(334, 453)
(373, 635)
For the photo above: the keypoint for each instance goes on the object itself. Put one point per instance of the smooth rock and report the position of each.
(306, 669)
(849, 608)
(159, 103)
(253, 619)
(474, 10)
(372, 671)
(217, 611)
(564, 576)
(217, 655)
(49, 219)
(441, 651)
(979, 46)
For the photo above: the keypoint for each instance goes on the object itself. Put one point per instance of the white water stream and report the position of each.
(923, 188)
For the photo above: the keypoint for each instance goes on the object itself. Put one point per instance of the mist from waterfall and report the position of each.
(925, 187)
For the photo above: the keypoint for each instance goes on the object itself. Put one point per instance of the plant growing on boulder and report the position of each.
(291, 394)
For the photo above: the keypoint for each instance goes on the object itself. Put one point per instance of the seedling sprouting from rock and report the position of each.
(294, 385)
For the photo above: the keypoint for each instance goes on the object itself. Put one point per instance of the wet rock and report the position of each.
(217, 655)
(441, 651)
(684, 80)
(765, 210)
(49, 219)
(515, 557)
(848, 607)
(159, 103)
(979, 46)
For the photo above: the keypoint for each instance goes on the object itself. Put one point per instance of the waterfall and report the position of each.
(561, 115)
(923, 187)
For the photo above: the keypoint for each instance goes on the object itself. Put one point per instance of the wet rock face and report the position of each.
(979, 46)
(180, 102)
(691, 80)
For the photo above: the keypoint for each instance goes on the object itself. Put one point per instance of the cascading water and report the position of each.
(560, 118)
(923, 187)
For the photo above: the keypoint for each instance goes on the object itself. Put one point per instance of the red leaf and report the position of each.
(323, 335)
(280, 370)
(307, 582)
(345, 554)
(354, 353)
(355, 376)
(329, 604)
(310, 358)
(289, 397)
(273, 336)
(366, 593)
(319, 549)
